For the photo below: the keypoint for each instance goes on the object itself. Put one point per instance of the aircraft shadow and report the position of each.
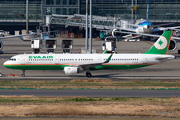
(75, 76)
(103, 76)
(147, 76)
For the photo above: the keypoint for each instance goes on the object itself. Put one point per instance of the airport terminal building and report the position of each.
(13, 12)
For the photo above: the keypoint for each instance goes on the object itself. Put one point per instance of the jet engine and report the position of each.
(72, 70)
(172, 45)
(115, 32)
(1, 45)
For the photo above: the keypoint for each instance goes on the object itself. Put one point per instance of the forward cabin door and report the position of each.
(23, 62)
(99, 59)
(56, 59)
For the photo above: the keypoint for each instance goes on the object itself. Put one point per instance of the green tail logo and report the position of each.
(161, 46)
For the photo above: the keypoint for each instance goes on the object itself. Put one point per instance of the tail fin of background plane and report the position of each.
(161, 46)
(147, 14)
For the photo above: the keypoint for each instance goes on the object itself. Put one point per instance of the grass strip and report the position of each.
(95, 82)
(31, 106)
(92, 84)
(33, 99)
(128, 88)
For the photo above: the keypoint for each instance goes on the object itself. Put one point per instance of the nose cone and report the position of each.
(6, 64)
(147, 26)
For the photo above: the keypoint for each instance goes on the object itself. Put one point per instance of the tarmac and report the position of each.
(90, 93)
(169, 70)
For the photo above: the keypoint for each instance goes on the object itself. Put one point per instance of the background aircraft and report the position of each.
(1, 43)
(142, 27)
(26, 37)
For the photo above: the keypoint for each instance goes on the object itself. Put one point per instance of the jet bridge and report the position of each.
(80, 20)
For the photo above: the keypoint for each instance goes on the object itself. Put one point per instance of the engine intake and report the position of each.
(72, 70)
(1, 45)
(172, 45)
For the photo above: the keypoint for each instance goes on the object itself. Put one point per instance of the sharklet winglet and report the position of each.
(105, 51)
(109, 58)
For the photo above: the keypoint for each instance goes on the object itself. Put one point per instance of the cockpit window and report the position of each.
(12, 59)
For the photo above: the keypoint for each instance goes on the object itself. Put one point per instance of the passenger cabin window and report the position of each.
(12, 59)
(123, 59)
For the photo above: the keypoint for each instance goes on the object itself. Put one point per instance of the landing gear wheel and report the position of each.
(88, 74)
(23, 74)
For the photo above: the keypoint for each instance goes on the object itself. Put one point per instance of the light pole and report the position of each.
(86, 24)
(27, 17)
(90, 34)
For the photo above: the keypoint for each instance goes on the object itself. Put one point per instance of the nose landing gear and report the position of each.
(23, 74)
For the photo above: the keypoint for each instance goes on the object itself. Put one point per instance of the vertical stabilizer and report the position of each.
(161, 46)
(147, 14)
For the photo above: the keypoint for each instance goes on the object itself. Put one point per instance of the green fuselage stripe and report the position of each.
(61, 67)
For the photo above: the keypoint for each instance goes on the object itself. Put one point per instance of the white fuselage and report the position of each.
(143, 26)
(59, 61)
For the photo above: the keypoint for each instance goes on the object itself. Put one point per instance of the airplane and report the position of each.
(78, 63)
(1, 43)
(26, 37)
(142, 27)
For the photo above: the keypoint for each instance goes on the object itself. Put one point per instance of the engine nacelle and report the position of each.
(172, 45)
(115, 33)
(72, 70)
(1, 45)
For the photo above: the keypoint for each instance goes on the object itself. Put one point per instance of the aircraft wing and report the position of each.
(161, 25)
(166, 28)
(92, 65)
(150, 35)
(111, 27)
(26, 34)
(17, 35)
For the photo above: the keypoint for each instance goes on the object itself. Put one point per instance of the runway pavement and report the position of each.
(92, 93)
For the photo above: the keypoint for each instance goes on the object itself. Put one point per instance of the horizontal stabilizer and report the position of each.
(165, 58)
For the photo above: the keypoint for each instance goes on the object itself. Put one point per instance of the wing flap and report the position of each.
(150, 35)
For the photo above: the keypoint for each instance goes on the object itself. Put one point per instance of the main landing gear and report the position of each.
(88, 74)
(23, 74)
